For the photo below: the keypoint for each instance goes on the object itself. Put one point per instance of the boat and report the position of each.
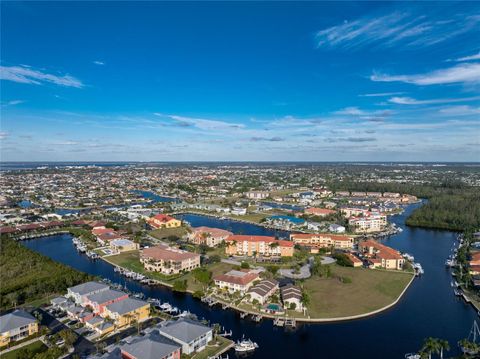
(245, 346)
(472, 338)
(412, 356)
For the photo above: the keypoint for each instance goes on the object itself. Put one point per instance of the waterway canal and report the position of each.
(429, 308)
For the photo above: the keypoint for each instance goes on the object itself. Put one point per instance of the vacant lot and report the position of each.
(369, 290)
(164, 233)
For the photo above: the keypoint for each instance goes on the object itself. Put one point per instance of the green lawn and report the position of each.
(33, 348)
(369, 290)
(131, 260)
(163, 233)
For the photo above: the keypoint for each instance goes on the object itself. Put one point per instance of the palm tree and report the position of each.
(430, 345)
(443, 345)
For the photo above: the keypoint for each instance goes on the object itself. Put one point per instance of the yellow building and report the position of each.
(15, 326)
(164, 221)
(127, 311)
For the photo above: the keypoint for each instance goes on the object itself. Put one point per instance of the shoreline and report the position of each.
(298, 319)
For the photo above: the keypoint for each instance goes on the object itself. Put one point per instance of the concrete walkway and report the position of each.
(21, 345)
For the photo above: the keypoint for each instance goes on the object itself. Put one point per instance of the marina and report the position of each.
(417, 312)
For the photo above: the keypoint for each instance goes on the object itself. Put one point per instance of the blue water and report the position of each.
(155, 197)
(25, 204)
(429, 307)
(290, 218)
(236, 227)
(284, 206)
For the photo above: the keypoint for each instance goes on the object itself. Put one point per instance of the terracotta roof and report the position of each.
(7, 230)
(237, 277)
(98, 231)
(334, 237)
(167, 253)
(162, 218)
(214, 232)
(314, 210)
(266, 239)
(382, 250)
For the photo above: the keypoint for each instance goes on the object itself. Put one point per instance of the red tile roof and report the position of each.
(167, 254)
(335, 237)
(248, 277)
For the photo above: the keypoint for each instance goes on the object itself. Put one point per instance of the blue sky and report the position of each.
(334, 81)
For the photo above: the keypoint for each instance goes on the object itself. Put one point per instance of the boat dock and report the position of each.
(279, 322)
(291, 323)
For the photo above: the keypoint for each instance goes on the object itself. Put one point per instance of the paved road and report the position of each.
(82, 346)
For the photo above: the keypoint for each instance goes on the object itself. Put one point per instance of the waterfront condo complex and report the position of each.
(229, 179)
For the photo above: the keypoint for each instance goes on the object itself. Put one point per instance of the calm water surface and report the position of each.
(429, 307)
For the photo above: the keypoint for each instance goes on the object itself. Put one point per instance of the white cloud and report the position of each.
(463, 73)
(26, 75)
(351, 111)
(412, 101)
(66, 143)
(468, 58)
(3, 135)
(460, 110)
(382, 94)
(12, 103)
(97, 62)
(395, 28)
(201, 123)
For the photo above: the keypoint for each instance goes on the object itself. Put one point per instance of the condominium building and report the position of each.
(244, 245)
(211, 237)
(381, 256)
(368, 224)
(168, 260)
(322, 240)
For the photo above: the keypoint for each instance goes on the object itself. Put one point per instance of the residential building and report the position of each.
(211, 237)
(245, 245)
(123, 245)
(236, 281)
(368, 224)
(151, 346)
(336, 228)
(127, 311)
(16, 325)
(168, 260)
(80, 292)
(191, 335)
(257, 195)
(263, 290)
(100, 300)
(321, 212)
(163, 221)
(291, 297)
(322, 240)
(356, 262)
(239, 211)
(381, 256)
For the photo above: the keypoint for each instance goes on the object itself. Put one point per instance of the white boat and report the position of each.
(472, 338)
(165, 307)
(412, 356)
(245, 345)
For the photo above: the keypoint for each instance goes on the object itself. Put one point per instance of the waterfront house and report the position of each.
(322, 240)
(245, 245)
(151, 346)
(381, 256)
(211, 237)
(320, 212)
(168, 260)
(163, 221)
(239, 211)
(127, 311)
(100, 300)
(336, 228)
(291, 297)
(236, 281)
(60, 302)
(100, 325)
(16, 326)
(80, 292)
(191, 335)
(263, 290)
(123, 245)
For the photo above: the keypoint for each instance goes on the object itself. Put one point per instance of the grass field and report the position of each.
(163, 233)
(369, 290)
(33, 348)
(131, 260)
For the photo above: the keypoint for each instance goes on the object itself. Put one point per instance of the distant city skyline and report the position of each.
(231, 81)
